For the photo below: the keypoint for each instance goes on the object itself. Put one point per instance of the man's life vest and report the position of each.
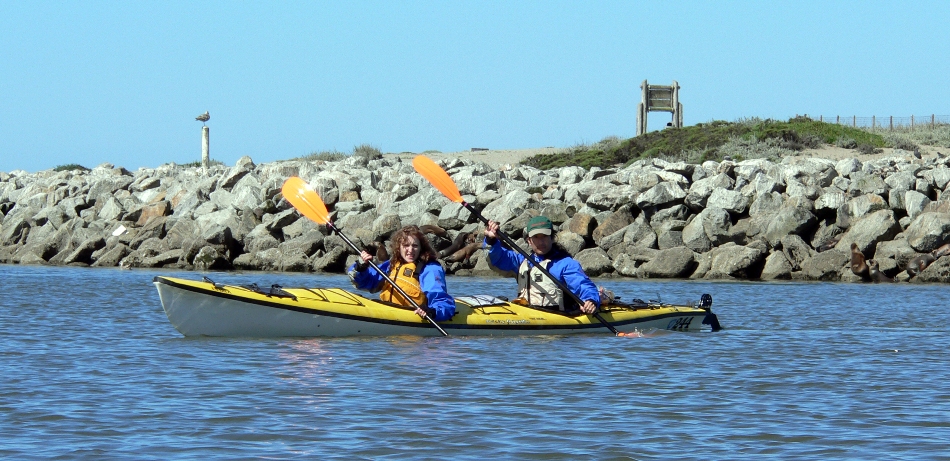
(538, 289)
(405, 276)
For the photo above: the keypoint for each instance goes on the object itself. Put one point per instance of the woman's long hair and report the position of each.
(426, 252)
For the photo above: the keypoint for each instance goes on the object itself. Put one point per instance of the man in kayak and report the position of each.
(415, 268)
(534, 287)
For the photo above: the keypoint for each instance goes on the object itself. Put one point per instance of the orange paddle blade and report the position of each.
(305, 200)
(437, 176)
(632, 334)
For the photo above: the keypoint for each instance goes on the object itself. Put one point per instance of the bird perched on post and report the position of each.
(203, 117)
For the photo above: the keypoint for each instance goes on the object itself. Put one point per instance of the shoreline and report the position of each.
(497, 158)
(793, 220)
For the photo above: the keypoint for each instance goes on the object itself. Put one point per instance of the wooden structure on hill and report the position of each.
(659, 98)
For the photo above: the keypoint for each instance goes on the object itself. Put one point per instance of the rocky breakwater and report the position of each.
(753, 219)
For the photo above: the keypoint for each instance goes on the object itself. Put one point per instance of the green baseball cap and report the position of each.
(540, 225)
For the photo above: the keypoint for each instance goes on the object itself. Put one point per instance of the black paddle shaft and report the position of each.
(391, 283)
(527, 256)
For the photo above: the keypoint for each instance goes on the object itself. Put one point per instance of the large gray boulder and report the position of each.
(928, 231)
(867, 184)
(826, 265)
(766, 204)
(710, 228)
(612, 198)
(582, 191)
(732, 201)
(777, 267)
(640, 234)
(734, 261)
(937, 177)
(937, 272)
(915, 203)
(846, 167)
(866, 233)
(901, 180)
(595, 261)
(676, 262)
(795, 250)
(864, 205)
(788, 220)
(571, 242)
(660, 195)
(700, 190)
(507, 207)
(614, 222)
(582, 224)
(669, 234)
(830, 201)
(641, 179)
(112, 256)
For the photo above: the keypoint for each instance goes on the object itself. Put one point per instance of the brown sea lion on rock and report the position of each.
(858, 266)
(378, 249)
(828, 245)
(465, 254)
(876, 275)
(918, 263)
(431, 229)
(461, 240)
(941, 252)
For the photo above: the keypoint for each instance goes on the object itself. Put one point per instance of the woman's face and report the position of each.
(409, 249)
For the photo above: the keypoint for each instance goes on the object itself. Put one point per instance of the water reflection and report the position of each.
(853, 371)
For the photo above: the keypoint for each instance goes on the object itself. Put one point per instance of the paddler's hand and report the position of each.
(589, 307)
(365, 257)
(423, 312)
(491, 232)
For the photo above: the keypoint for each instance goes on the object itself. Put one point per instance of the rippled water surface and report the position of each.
(92, 369)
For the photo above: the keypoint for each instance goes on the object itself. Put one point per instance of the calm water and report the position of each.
(92, 369)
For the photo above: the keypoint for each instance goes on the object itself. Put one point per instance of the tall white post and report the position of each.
(642, 109)
(205, 155)
(676, 106)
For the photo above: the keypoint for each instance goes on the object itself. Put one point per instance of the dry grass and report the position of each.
(921, 135)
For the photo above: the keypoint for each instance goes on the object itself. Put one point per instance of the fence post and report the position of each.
(911, 120)
(821, 118)
(854, 121)
(838, 119)
(932, 126)
(873, 122)
(205, 154)
(892, 123)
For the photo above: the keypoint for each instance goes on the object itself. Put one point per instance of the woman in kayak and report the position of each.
(534, 287)
(414, 267)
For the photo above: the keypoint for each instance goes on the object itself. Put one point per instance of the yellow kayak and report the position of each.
(205, 308)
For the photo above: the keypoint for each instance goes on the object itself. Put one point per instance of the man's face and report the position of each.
(540, 244)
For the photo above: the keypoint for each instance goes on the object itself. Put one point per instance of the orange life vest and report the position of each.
(405, 276)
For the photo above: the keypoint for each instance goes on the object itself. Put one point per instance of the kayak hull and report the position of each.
(208, 309)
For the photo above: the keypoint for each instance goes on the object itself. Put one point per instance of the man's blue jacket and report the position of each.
(563, 267)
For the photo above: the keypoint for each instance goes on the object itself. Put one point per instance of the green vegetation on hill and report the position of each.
(197, 163)
(70, 167)
(751, 138)
(368, 151)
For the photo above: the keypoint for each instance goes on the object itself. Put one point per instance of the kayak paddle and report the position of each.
(308, 202)
(444, 183)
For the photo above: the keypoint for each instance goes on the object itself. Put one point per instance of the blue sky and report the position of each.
(121, 82)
